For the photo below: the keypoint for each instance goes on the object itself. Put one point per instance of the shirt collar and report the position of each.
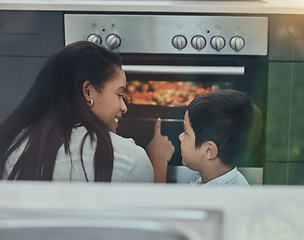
(221, 180)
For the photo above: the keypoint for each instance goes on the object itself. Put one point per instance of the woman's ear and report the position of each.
(211, 150)
(86, 89)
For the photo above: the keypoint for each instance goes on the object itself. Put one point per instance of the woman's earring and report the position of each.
(91, 102)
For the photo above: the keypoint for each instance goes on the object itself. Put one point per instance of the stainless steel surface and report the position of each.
(210, 70)
(155, 214)
(161, 224)
(113, 41)
(218, 43)
(173, 33)
(237, 43)
(94, 38)
(198, 42)
(71, 229)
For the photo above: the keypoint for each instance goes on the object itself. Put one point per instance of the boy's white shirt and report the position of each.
(230, 179)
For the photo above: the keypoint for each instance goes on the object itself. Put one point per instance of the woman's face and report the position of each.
(108, 102)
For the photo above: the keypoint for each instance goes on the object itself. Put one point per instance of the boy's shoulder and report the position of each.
(229, 179)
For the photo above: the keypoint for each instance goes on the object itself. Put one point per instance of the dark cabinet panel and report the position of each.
(27, 39)
(278, 111)
(283, 173)
(285, 112)
(284, 162)
(286, 38)
(285, 124)
(30, 33)
(17, 76)
(297, 113)
(276, 173)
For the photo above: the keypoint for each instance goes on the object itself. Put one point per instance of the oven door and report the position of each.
(190, 75)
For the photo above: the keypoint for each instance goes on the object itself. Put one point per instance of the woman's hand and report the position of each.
(160, 151)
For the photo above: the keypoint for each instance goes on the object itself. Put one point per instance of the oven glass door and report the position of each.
(161, 86)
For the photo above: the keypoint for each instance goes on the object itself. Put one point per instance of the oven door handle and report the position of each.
(203, 70)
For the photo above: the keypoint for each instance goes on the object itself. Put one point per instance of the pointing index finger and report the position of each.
(157, 127)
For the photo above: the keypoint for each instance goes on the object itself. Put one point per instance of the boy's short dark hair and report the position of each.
(230, 119)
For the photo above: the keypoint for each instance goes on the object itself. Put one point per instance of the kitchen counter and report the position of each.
(251, 214)
(230, 7)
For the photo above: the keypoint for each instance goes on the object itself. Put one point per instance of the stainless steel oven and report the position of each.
(169, 59)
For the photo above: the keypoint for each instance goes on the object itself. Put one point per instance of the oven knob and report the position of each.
(94, 38)
(237, 43)
(113, 41)
(198, 42)
(218, 43)
(179, 42)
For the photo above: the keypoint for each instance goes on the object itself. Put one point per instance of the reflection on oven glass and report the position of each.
(171, 94)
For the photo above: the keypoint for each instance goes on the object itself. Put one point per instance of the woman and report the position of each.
(65, 128)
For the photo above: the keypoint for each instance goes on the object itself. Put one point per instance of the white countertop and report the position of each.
(173, 6)
(266, 212)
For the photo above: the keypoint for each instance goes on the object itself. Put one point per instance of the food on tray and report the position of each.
(165, 93)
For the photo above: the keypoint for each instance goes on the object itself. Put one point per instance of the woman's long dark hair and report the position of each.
(54, 106)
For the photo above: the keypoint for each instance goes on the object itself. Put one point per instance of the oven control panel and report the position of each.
(168, 34)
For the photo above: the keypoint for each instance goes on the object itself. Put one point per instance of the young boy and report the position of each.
(220, 129)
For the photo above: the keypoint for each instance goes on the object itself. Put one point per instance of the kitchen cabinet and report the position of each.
(278, 103)
(17, 76)
(27, 39)
(284, 173)
(284, 161)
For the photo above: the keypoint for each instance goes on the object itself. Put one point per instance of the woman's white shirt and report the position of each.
(131, 163)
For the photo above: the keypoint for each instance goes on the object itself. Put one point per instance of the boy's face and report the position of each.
(191, 157)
